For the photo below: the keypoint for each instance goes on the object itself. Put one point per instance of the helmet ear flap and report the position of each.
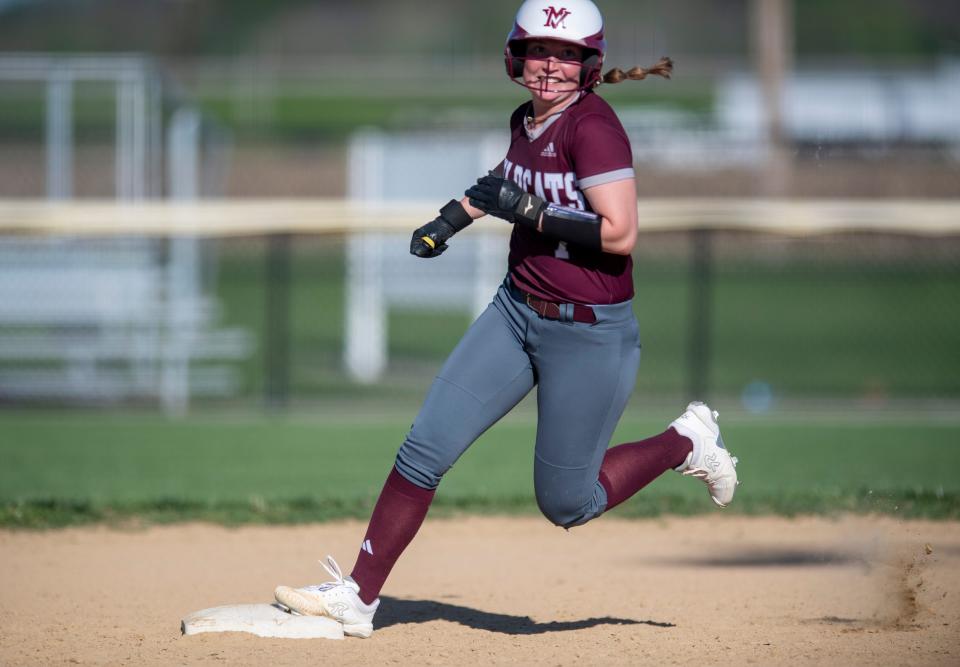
(515, 53)
(593, 63)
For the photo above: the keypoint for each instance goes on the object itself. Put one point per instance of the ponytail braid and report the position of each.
(664, 68)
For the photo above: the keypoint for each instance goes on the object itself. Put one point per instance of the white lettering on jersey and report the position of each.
(538, 185)
(553, 181)
(553, 186)
(569, 184)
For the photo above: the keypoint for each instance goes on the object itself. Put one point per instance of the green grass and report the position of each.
(64, 468)
(819, 330)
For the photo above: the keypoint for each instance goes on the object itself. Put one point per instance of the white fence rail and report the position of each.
(210, 218)
(207, 219)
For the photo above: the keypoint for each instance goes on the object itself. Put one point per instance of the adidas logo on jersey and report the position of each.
(367, 546)
(549, 151)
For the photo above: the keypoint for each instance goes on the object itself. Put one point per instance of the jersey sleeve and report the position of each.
(601, 151)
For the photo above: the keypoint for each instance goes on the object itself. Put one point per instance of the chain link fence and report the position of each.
(763, 319)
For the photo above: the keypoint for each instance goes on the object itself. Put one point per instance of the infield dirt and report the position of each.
(712, 589)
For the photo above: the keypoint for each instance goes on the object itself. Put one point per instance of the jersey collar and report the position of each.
(533, 135)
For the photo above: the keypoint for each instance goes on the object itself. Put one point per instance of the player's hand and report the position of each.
(502, 198)
(431, 239)
(495, 196)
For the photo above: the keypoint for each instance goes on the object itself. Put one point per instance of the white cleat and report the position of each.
(709, 461)
(338, 599)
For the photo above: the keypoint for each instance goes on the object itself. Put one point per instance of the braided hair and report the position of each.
(663, 67)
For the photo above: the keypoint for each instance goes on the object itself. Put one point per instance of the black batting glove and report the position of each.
(431, 239)
(502, 198)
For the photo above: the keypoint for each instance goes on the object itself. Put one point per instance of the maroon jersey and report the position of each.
(582, 146)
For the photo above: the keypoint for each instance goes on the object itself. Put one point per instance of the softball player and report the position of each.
(562, 321)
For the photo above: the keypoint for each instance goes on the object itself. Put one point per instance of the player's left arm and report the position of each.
(601, 151)
(611, 227)
(616, 205)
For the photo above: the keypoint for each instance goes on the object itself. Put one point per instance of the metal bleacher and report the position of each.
(114, 319)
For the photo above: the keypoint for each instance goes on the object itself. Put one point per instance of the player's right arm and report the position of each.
(474, 212)
(431, 239)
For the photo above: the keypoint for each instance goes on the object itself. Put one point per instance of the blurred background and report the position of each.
(103, 99)
(851, 108)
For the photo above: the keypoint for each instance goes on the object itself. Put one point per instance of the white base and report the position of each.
(263, 620)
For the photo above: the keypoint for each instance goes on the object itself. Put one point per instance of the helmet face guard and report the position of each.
(515, 58)
(575, 22)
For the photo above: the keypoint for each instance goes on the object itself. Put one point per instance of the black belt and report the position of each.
(552, 310)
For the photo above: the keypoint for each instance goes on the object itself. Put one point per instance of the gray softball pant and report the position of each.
(584, 374)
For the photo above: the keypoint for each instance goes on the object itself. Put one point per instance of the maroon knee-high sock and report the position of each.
(396, 518)
(628, 468)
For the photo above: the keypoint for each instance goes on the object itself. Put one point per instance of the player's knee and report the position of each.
(565, 510)
(423, 470)
(425, 457)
